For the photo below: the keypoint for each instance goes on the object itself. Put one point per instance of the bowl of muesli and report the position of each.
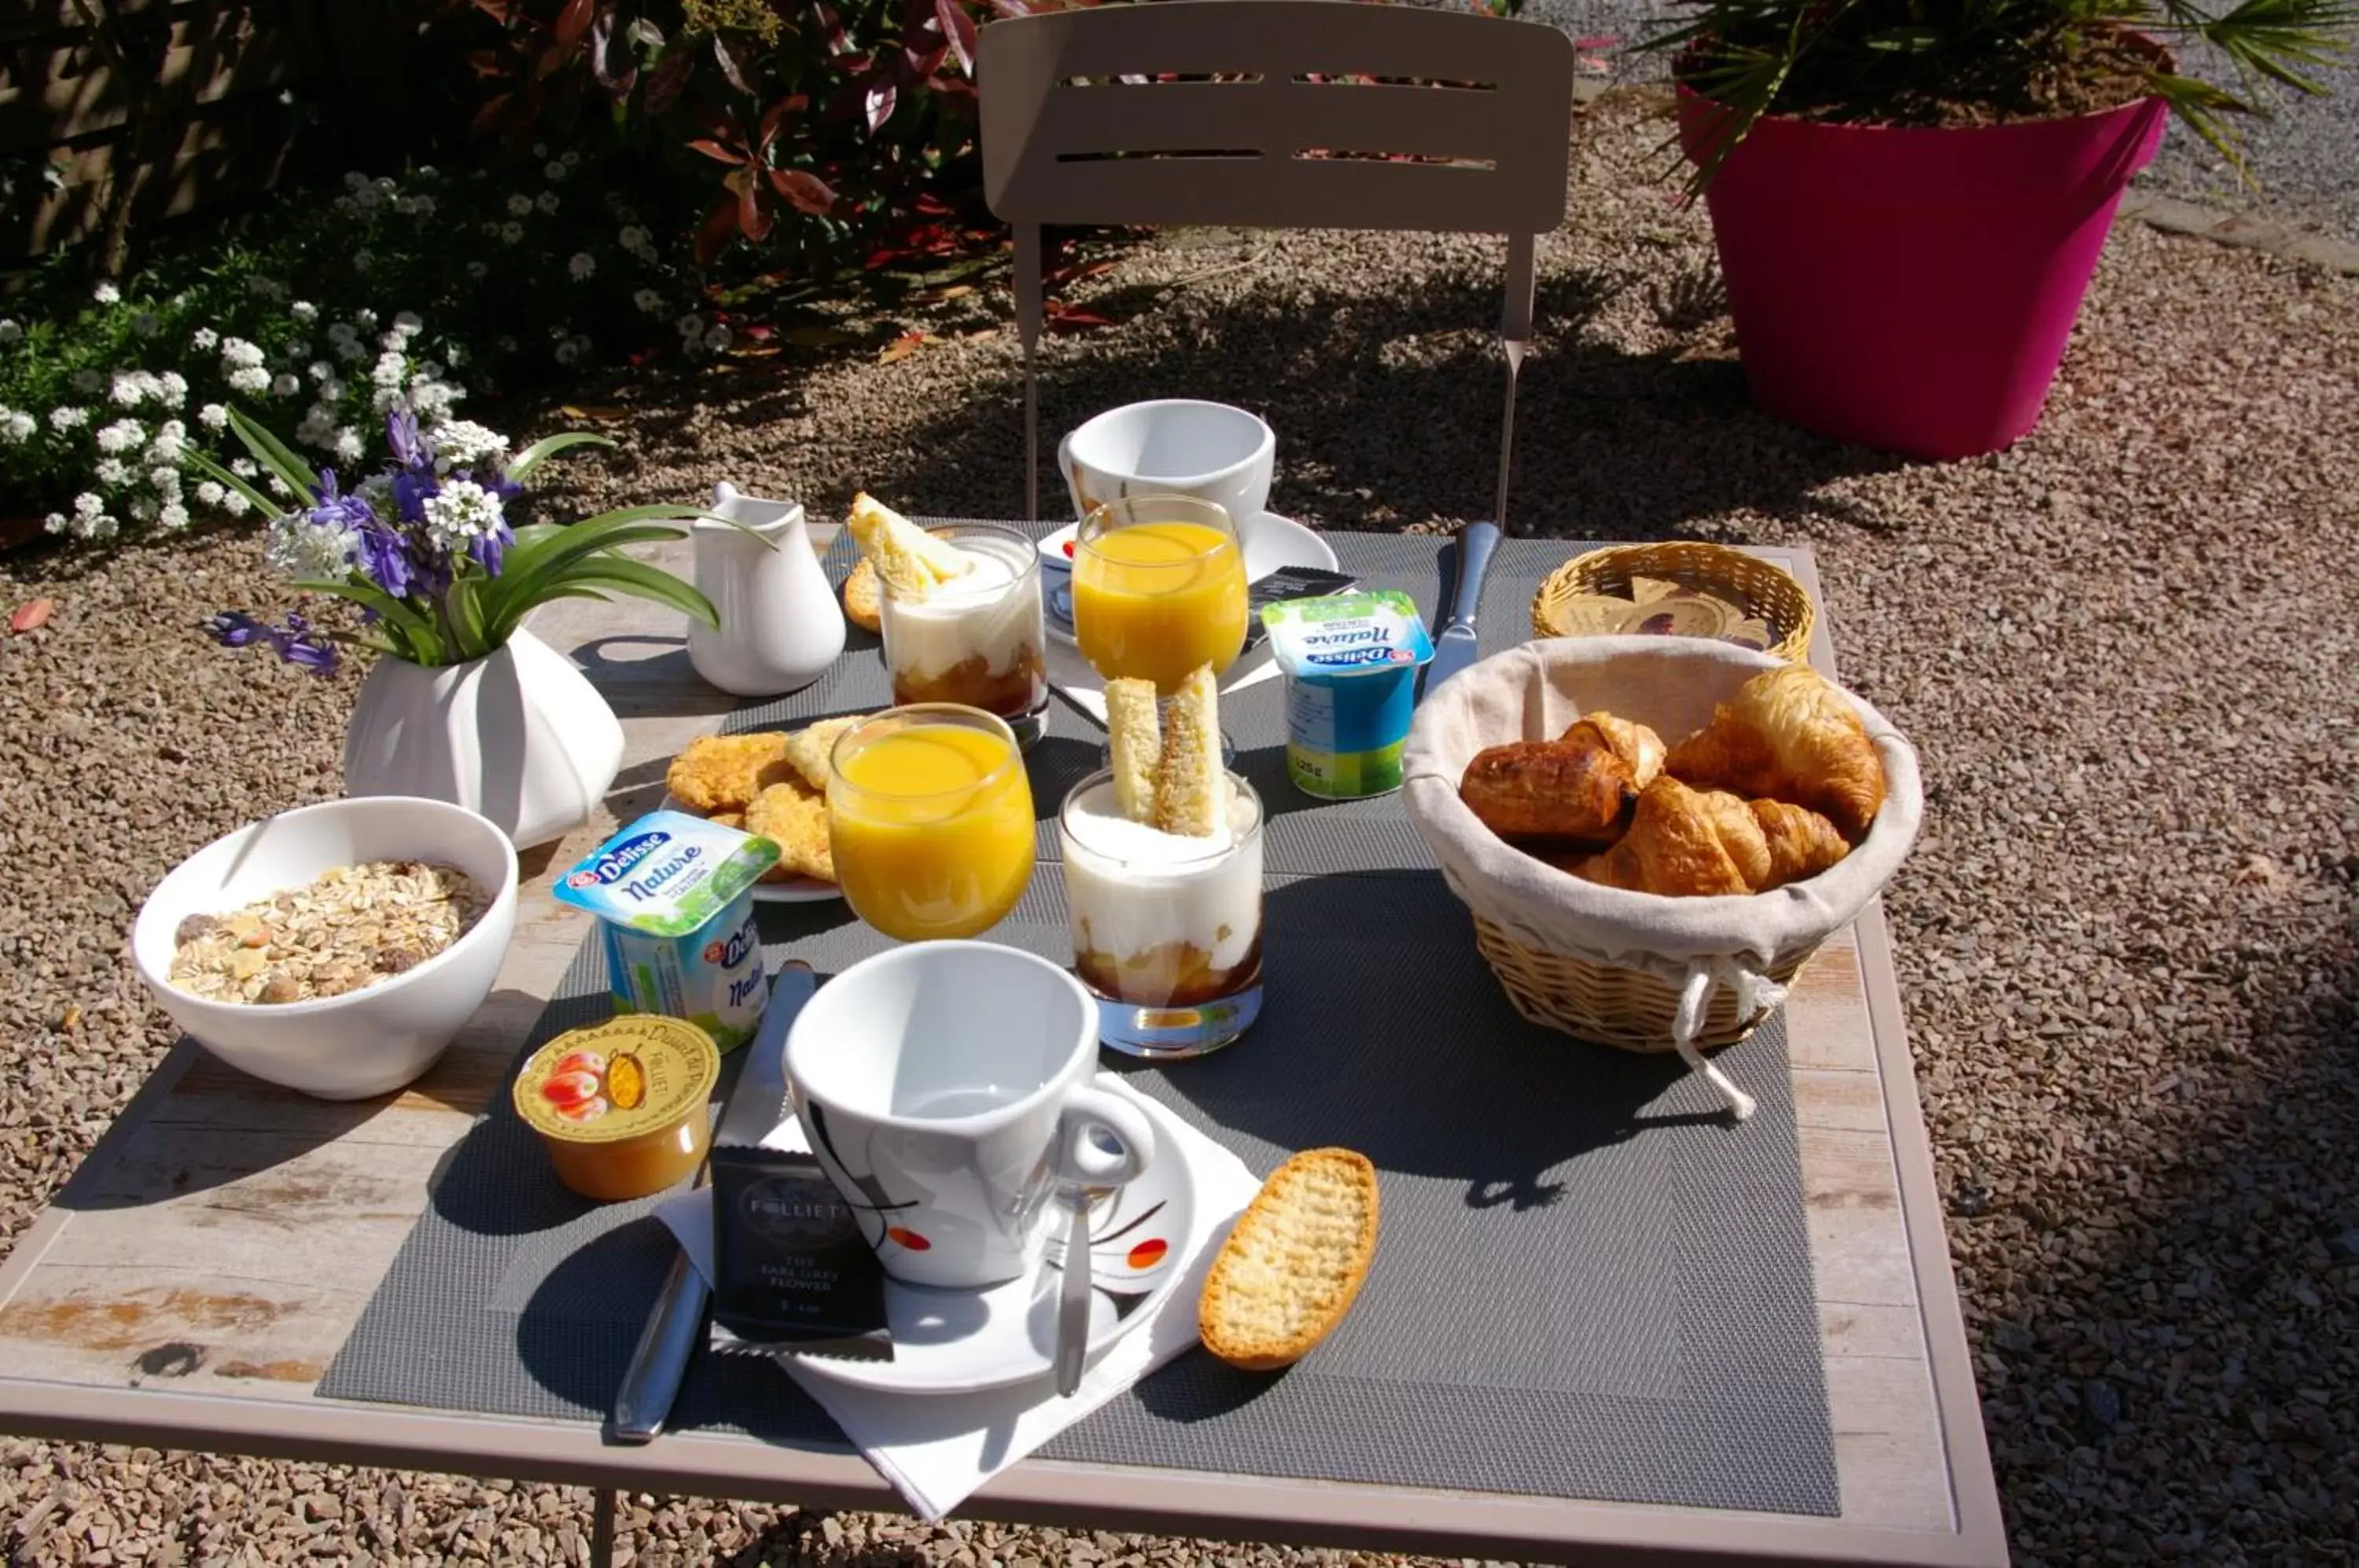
(334, 949)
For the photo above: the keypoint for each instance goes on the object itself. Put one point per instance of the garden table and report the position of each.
(190, 1285)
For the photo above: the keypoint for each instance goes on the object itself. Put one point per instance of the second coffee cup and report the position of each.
(941, 1084)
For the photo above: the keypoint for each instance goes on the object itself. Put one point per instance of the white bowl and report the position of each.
(365, 1042)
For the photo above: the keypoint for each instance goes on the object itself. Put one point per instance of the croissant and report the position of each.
(1697, 843)
(1789, 736)
(1640, 749)
(1549, 788)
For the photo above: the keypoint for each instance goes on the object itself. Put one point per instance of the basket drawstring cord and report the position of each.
(1756, 994)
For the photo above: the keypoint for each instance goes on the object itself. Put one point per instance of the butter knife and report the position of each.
(643, 1403)
(1453, 643)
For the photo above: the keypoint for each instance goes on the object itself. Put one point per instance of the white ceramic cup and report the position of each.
(1174, 446)
(944, 1086)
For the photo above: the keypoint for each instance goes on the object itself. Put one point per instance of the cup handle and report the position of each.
(1065, 472)
(1091, 1118)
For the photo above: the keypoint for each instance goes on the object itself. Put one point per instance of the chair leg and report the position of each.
(602, 1528)
(1515, 347)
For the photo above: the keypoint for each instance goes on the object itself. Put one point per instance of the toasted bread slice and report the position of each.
(1292, 1265)
(864, 597)
(808, 747)
(909, 559)
(1135, 728)
(1190, 791)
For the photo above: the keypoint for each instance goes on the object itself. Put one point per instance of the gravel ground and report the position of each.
(2304, 157)
(2127, 941)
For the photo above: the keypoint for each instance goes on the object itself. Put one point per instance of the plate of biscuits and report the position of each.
(771, 783)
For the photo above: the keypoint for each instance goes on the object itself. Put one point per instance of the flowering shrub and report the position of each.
(415, 292)
(425, 547)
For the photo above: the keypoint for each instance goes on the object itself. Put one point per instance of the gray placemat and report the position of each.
(1589, 1284)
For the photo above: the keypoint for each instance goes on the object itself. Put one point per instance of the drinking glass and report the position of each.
(1159, 588)
(976, 640)
(930, 818)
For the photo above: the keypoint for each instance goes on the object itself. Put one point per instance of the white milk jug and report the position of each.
(780, 626)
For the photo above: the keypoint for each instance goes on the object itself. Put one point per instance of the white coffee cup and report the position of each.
(1174, 446)
(944, 1085)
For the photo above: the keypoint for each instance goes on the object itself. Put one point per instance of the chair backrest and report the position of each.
(1275, 113)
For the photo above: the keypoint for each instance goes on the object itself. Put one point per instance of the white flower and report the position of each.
(332, 389)
(408, 321)
(342, 332)
(453, 353)
(55, 522)
(89, 383)
(432, 400)
(349, 351)
(126, 389)
(301, 547)
(121, 436)
(571, 160)
(242, 467)
(171, 389)
(236, 503)
(209, 493)
(511, 232)
(147, 324)
(717, 339)
(540, 149)
(632, 236)
(171, 443)
(204, 340)
(249, 379)
(521, 205)
(319, 370)
(304, 310)
(172, 517)
(362, 261)
(278, 487)
(648, 300)
(367, 199)
(18, 426)
(554, 169)
(391, 368)
(462, 443)
(142, 509)
(106, 293)
(349, 447)
(9, 332)
(68, 418)
(167, 481)
(212, 416)
(355, 180)
(365, 318)
(459, 513)
(237, 351)
(546, 201)
(690, 326)
(113, 473)
(283, 386)
(583, 264)
(267, 288)
(88, 506)
(478, 271)
(567, 353)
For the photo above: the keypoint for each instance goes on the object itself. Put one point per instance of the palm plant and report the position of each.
(1968, 62)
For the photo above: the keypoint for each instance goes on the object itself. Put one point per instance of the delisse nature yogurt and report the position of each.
(1351, 663)
(674, 898)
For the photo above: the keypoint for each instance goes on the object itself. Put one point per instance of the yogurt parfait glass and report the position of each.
(978, 640)
(1166, 928)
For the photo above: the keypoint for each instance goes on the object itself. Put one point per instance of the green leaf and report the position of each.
(463, 604)
(276, 456)
(531, 567)
(641, 580)
(404, 624)
(549, 446)
(206, 467)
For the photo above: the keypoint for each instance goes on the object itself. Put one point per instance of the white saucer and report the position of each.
(957, 1342)
(793, 890)
(1271, 542)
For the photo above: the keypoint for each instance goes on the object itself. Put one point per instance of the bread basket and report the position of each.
(1631, 970)
(1766, 591)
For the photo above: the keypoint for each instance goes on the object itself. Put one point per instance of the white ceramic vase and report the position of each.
(780, 626)
(519, 735)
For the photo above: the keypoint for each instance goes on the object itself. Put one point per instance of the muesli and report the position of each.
(348, 929)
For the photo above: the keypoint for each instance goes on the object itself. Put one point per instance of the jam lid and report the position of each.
(633, 1074)
(1685, 614)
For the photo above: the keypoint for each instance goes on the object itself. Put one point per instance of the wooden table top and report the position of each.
(190, 1285)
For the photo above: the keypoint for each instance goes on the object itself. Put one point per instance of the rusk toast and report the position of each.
(1293, 1264)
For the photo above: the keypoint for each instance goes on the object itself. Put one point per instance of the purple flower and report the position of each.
(295, 642)
(409, 448)
(383, 556)
(410, 488)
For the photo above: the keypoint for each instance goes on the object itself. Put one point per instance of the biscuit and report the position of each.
(723, 773)
(864, 597)
(1190, 790)
(1293, 1263)
(808, 747)
(1135, 730)
(793, 816)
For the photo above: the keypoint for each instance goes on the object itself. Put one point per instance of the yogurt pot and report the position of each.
(1351, 663)
(621, 1106)
(674, 898)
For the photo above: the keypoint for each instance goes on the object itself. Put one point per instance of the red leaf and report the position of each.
(878, 102)
(753, 212)
(720, 228)
(1595, 41)
(666, 81)
(489, 115)
(715, 151)
(573, 21)
(32, 617)
(959, 29)
(1012, 8)
(773, 117)
(1076, 320)
(806, 190)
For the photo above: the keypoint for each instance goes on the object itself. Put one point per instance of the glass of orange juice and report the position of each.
(930, 819)
(1158, 588)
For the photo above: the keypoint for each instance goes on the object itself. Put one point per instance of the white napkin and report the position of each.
(937, 1448)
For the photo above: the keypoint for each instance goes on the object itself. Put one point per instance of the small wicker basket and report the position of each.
(1626, 1008)
(1767, 593)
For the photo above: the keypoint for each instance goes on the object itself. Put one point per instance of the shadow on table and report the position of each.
(1382, 1031)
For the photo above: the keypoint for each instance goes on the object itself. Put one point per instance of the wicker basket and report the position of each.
(1767, 593)
(1626, 1008)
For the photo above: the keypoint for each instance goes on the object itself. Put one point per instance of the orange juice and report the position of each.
(929, 817)
(1154, 600)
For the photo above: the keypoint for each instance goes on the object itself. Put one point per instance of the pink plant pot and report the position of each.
(1913, 290)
